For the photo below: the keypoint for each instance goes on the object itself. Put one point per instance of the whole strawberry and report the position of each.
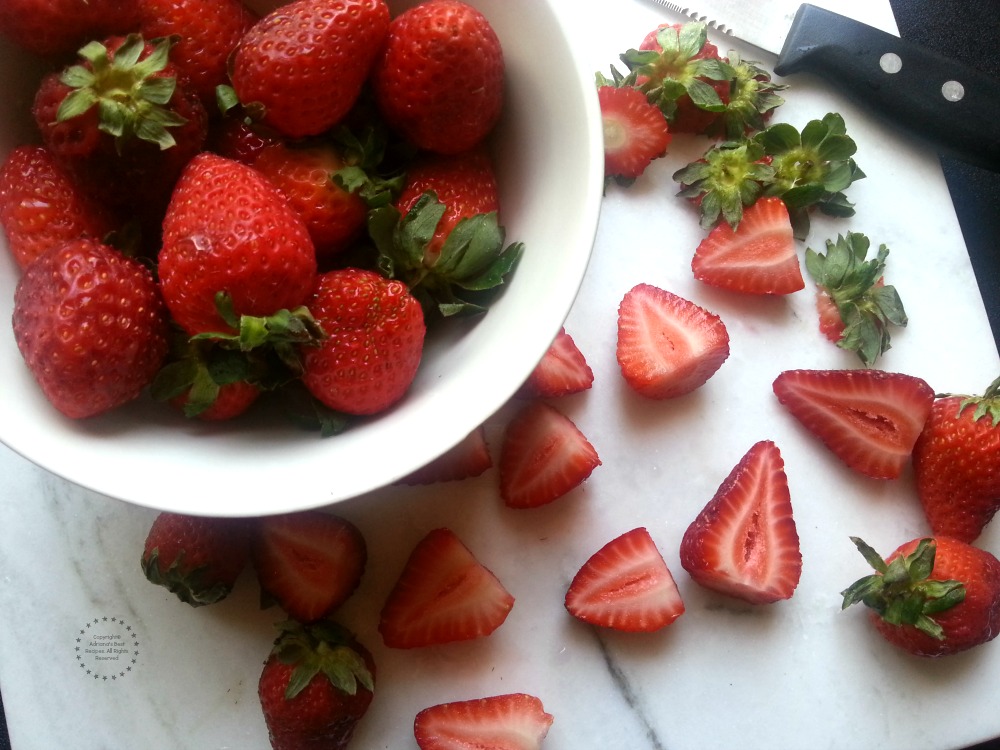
(198, 558)
(375, 336)
(227, 229)
(956, 461)
(207, 31)
(302, 66)
(41, 207)
(55, 28)
(91, 327)
(439, 80)
(315, 687)
(932, 596)
(121, 122)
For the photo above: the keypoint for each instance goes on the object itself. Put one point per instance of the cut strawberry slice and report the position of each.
(543, 457)
(626, 585)
(470, 458)
(308, 562)
(501, 722)
(758, 257)
(744, 542)
(444, 594)
(635, 131)
(667, 345)
(562, 371)
(870, 419)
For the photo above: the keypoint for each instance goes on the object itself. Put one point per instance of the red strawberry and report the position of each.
(54, 28)
(374, 341)
(91, 327)
(315, 687)
(667, 345)
(956, 461)
(236, 139)
(626, 585)
(303, 65)
(470, 458)
(41, 207)
(931, 597)
(855, 306)
(515, 721)
(207, 31)
(334, 217)
(231, 401)
(744, 542)
(228, 229)
(869, 419)
(758, 257)
(635, 132)
(126, 150)
(439, 80)
(563, 370)
(465, 183)
(309, 562)
(543, 457)
(444, 594)
(198, 558)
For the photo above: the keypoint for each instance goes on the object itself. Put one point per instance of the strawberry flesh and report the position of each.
(635, 131)
(744, 542)
(469, 458)
(667, 345)
(563, 370)
(444, 594)
(501, 722)
(870, 419)
(626, 585)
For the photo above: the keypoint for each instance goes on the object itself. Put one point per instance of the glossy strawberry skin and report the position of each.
(207, 32)
(306, 62)
(375, 333)
(54, 28)
(91, 327)
(439, 80)
(41, 207)
(228, 229)
(972, 622)
(956, 462)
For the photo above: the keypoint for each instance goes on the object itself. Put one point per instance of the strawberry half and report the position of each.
(626, 585)
(543, 457)
(744, 542)
(635, 132)
(444, 594)
(309, 562)
(512, 722)
(667, 345)
(470, 458)
(563, 370)
(758, 257)
(870, 419)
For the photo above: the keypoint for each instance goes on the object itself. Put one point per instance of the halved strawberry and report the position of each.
(758, 257)
(635, 132)
(744, 542)
(668, 346)
(309, 562)
(562, 370)
(543, 457)
(444, 594)
(870, 419)
(515, 721)
(626, 585)
(469, 458)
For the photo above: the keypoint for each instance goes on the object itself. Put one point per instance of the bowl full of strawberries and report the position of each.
(260, 257)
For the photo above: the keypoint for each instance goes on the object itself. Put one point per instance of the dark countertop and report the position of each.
(966, 30)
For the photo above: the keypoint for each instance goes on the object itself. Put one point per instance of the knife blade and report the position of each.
(952, 107)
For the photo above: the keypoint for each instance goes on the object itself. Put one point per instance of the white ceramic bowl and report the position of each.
(550, 164)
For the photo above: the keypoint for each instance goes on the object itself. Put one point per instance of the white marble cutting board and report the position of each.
(795, 674)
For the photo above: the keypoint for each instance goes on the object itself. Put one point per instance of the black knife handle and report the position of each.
(852, 56)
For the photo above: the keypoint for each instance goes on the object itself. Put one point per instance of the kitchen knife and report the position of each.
(954, 108)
